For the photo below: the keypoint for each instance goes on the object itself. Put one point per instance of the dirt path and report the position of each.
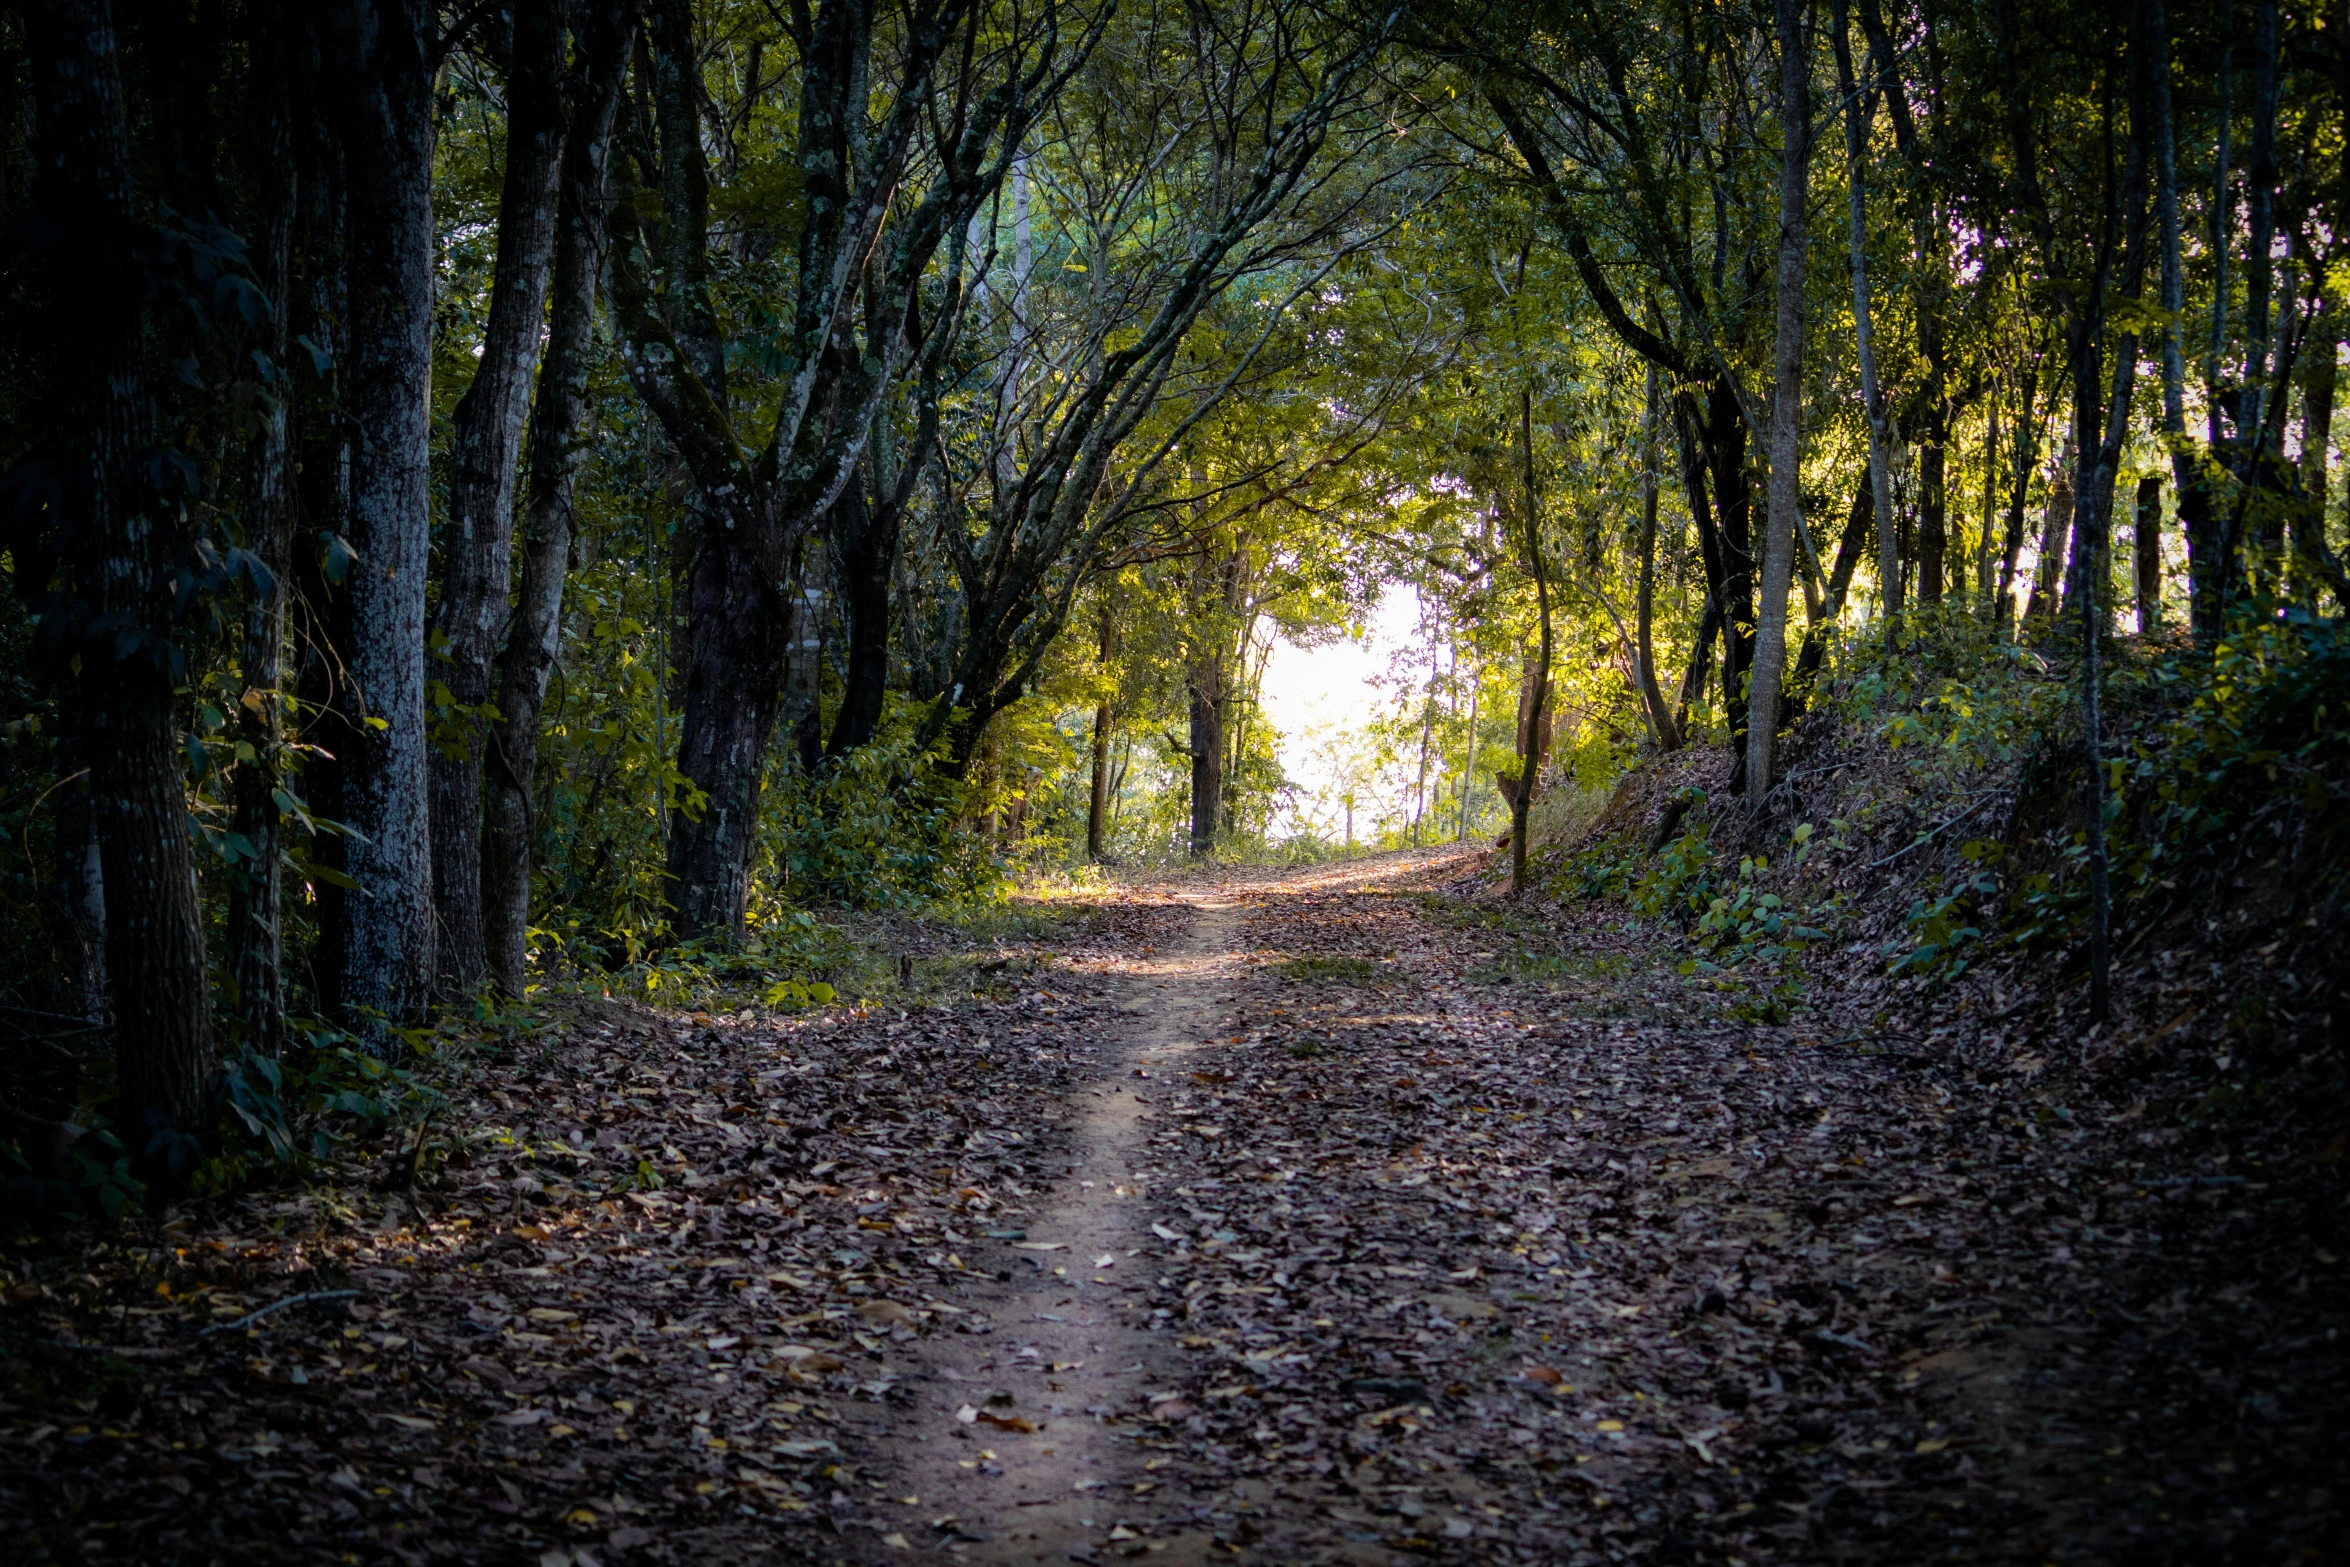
(1334, 1217)
(1006, 1452)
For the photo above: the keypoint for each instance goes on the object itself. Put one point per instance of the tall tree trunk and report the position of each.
(1786, 495)
(1660, 716)
(1097, 806)
(1534, 705)
(1858, 524)
(2260, 347)
(1983, 551)
(1859, 108)
(122, 557)
(2210, 552)
(477, 546)
(322, 443)
(379, 81)
(2100, 466)
(256, 926)
(2194, 501)
(2021, 466)
(559, 446)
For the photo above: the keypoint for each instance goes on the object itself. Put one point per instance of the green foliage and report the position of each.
(881, 827)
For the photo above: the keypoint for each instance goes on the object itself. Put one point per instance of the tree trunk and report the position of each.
(737, 628)
(81, 877)
(1983, 553)
(2210, 553)
(1933, 522)
(122, 558)
(1786, 495)
(379, 80)
(2146, 554)
(1534, 704)
(1097, 806)
(2193, 505)
(865, 541)
(256, 927)
(2021, 465)
(1859, 110)
(1207, 757)
(322, 440)
(2055, 528)
(477, 546)
(559, 445)
(1660, 716)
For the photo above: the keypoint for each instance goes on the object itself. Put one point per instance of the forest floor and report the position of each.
(1339, 1215)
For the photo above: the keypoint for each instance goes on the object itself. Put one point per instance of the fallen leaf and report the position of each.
(1005, 1422)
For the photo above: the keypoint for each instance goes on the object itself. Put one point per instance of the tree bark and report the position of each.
(256, 925)
(1660, 716)
(1933, 518)
(865, 542)
(559, 446)
(122, 553)
(1534, 703)
(379, 83)
(737, 630)
(1858, 110)
(1097, 806)
(1207, 755)
(477, 545)
(1786, 491)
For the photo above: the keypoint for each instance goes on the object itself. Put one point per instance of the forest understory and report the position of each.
(1348, 1214)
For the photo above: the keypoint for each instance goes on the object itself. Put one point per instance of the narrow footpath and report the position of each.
(1344, 1215)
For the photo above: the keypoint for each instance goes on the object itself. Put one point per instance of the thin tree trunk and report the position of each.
(1983, 551)
(1097, 809)
(477, 545)
(559, 447)
(1933, 519)
(2021, 466)
(2055, 528)
(1534, 711)
(2210, 552)
(1660, 716)
(1786, 493)
(1858, 524)
(2100, 465)
(122, 558)
(256, 927)
(1858, 110)
(2193, 503)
